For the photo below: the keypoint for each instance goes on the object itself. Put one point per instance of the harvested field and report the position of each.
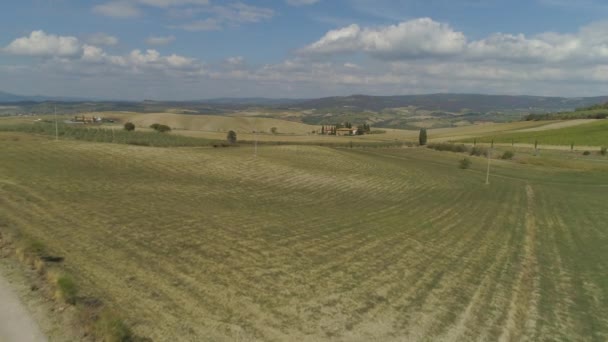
(310, 243)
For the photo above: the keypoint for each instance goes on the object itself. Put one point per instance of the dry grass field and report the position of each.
(309, 243)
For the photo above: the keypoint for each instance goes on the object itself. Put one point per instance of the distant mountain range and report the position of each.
(455, 103)
(12, 98)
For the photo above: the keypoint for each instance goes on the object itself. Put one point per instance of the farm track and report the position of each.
(308, 243)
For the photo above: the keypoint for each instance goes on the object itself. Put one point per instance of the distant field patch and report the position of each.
(588, 134)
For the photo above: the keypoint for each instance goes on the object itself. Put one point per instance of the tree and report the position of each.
(163, 128)
(273, 130)
(129, 126)
(154, 126)
(361, 129)
(422, 138)
(323, 130)
(231, 137)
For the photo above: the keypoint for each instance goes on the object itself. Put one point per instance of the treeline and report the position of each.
(459, 148)
(109, 135)
(566, 116)
(598, 111)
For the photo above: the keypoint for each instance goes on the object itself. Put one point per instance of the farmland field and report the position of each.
(594, 133)
(311, 243)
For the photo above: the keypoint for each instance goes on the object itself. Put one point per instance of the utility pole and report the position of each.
(488, 170)
(255, 144)
(56, 128)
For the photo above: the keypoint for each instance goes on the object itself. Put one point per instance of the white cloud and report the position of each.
(117, 9)
(426, 38)
(218, 17)
(102, 39)
(171, 3)
(160, 40)
(242, 13)
(301, 2)
(416, 38)
(209, 24)
(41, 44)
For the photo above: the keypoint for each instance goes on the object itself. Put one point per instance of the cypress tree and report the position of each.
(422, 137)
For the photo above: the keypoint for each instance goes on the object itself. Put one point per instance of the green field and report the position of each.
(588, 134)
(311, 243)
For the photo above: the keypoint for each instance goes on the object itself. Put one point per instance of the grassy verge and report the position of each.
(98, 321)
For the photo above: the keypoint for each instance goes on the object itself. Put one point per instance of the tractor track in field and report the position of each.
(523, 311)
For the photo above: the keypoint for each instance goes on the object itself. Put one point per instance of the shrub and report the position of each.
(160, 128)
(422, 138)
(273, 130)
(231, 137)
(110, 328)
(163, 128)
(603, 150)
(479, 151)
(66, 289)
(448, 147)
(129, 126)
(464, 163)
(507, 155)
(586, 153)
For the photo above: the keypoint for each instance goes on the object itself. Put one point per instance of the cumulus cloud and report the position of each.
(426, 38)
(38, 43)
(301, 2)
(416, 38)
(160, 40)
(139, 61)
(102, 39)
(118, 9)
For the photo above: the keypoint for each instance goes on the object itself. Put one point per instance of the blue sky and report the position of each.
(196, 49)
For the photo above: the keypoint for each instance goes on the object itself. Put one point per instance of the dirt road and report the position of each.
(15, 322)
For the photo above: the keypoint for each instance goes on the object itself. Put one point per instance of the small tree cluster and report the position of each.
(160, 128)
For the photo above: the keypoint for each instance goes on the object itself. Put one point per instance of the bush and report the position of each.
(479, 151)
(508, 155)
(66, 289)
(129, 126)
(448, 147)
(163, 128)
(603, 150)
(231, 137)
(110, 328)
(160, 128)
(273, 130)
(464, 163)
(586, 153)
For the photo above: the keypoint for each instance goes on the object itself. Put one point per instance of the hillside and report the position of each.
(455, 102)
(210, 123)
(592, 133)
(309, 243)
(402, 112)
